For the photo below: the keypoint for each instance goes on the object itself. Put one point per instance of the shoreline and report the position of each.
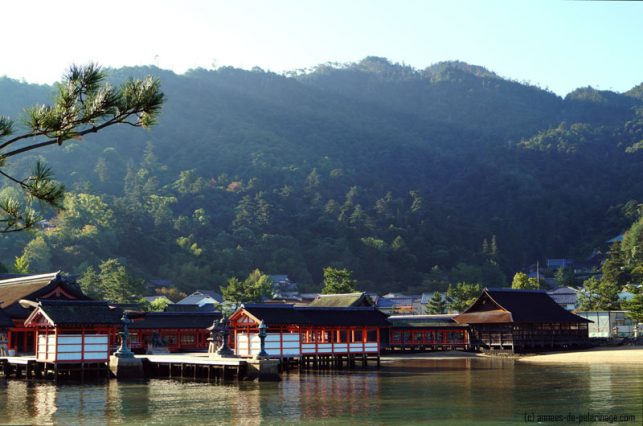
(620, 355)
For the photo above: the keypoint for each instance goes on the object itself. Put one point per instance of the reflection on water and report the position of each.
(453, 391)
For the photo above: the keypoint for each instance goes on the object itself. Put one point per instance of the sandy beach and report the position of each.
(609, 355)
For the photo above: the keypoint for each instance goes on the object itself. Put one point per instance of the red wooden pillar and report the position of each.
(364, 329)
(378, 339)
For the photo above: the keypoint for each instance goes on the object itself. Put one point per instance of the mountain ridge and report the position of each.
(374, 166)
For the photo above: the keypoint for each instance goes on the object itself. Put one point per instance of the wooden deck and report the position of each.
(194, 366)
(30, 367)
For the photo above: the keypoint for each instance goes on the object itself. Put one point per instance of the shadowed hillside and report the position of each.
(407, 177)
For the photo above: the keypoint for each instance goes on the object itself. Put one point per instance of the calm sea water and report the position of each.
(456, 391)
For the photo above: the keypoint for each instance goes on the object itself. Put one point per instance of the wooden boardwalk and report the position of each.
(194, 366)
(30, 367)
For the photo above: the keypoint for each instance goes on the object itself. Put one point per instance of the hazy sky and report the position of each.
(558, 45)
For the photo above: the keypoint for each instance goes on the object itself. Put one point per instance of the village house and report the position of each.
(566, 297)
(400, 304)
(199, 301)
(283, 284)
(609, 324)
(202, 297)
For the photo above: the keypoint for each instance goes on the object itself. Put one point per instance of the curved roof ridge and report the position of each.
(29, 278)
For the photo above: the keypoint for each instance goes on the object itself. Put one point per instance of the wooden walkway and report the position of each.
(193, 366)
(29, 367)
(177, 366)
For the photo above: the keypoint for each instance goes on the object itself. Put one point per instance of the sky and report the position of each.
(557, 45)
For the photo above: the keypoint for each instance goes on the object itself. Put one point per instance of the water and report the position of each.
(456, 391)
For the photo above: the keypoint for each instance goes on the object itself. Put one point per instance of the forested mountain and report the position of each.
(409, 178)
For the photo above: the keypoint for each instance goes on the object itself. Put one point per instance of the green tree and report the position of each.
(84, 103)
(632, 245)
(112, 283)
(253, 289)
(159, 305)
(338, 281)
(462, 296)
(635, 304)
(21, 264)
(598, 295)
(90, 283)
(38, 255)
(565, 277)
(522, 281)
(613, 269)
(436, 305)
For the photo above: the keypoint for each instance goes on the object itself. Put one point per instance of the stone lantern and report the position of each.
(262, 336)
(123, 351)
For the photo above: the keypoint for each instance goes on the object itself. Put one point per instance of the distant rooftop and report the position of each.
(200, 297)
(342, 300)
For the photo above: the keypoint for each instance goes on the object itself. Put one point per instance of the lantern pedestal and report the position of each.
(263, 370)
(126, 368)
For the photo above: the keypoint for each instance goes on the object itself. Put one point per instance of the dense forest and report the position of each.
(409, 178)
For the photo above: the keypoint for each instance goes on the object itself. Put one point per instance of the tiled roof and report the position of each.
(196, 297)
(31, 287)
(77, 312)
(517, 306)
(385, 302)
(343, 300)
(167, 320)
(423, 321)
(176, 307)
(564, 295)
(284, 314)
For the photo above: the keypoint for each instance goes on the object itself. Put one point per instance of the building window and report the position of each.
(187, 339)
